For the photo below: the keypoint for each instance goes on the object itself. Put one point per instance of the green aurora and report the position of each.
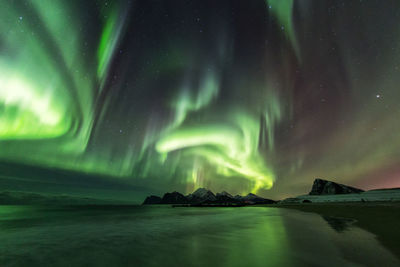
(262, 96)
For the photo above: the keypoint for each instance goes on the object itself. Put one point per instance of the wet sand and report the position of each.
(380, 218)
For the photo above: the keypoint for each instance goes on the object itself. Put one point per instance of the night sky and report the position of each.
(127, 98)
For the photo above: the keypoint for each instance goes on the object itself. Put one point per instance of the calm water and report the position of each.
(164, 236)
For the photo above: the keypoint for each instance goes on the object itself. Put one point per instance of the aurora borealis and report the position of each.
(153, 96)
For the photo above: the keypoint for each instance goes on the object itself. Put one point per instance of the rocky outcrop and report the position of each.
(251, 197)
(225, 197)
(290, 200)
(224, 194)
(152, 200)
(238, 197)
(254, 199)
(201, 195)
(174, 198)
(324, 187)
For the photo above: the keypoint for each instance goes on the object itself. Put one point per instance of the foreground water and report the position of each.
(165, 236)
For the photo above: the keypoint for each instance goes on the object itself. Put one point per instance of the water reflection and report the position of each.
(339, 224)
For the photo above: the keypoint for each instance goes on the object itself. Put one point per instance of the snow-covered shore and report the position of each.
(368, 196)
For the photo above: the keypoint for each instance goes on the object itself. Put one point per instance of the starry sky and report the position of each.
(120, 99)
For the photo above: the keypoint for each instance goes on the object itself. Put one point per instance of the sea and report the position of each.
(182, 236)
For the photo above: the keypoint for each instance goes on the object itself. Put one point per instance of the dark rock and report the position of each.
(290, 200)
(238, 197)
(324, 187)
(152, 200)
(226, 198)
(306, 201)
(252, 198)
(224, 194)
(174, 198)
(201, 195)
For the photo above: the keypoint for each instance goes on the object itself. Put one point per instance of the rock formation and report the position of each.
(152, 200)
(201, 195)
(254, 199)
(174, 198)
(324, 187)
(225, 197)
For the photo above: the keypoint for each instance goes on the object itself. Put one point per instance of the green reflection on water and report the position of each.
(144, 236)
